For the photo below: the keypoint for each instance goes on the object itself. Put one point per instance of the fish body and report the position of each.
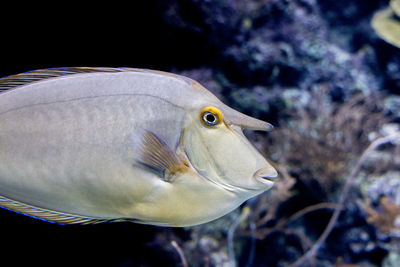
(88, 145)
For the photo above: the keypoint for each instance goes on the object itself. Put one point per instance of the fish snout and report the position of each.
(266, 174)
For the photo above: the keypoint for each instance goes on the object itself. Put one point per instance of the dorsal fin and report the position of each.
(13, 81)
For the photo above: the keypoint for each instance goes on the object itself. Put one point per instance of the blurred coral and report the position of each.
(385, 218)
(334, 135)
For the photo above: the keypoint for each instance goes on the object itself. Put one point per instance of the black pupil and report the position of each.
(210, 118)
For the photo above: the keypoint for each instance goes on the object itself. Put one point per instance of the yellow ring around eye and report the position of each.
(211, 116)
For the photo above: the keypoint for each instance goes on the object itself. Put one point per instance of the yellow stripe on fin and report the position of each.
(13, 81)
(49, 215)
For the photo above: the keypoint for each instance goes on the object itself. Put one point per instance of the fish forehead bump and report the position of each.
(231, 115)
(244, 121)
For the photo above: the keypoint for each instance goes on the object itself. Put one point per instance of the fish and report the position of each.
(87, 145)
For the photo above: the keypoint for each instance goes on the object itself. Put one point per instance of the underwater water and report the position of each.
(316, 69)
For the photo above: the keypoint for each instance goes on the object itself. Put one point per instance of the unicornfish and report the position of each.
(88, 145)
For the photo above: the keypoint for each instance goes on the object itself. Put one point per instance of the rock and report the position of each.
(392, 106)
(392, 260)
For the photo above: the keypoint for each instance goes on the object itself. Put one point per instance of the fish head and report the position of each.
(218, 150)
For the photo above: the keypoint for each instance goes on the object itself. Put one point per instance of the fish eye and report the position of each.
(210, 116)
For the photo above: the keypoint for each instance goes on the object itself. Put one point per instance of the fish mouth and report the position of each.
(266, 175)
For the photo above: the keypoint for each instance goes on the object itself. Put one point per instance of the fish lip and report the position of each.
(269, 178)
(265, 181)
(266, 177)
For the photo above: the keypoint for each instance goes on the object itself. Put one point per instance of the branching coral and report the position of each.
(323, 138)
(391, 209)
(385, 217)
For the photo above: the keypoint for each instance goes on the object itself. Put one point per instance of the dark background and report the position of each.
(132, 34)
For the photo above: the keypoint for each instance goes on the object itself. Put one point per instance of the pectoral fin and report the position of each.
(155, 153)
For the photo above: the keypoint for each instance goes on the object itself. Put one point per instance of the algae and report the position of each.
(386, 23)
